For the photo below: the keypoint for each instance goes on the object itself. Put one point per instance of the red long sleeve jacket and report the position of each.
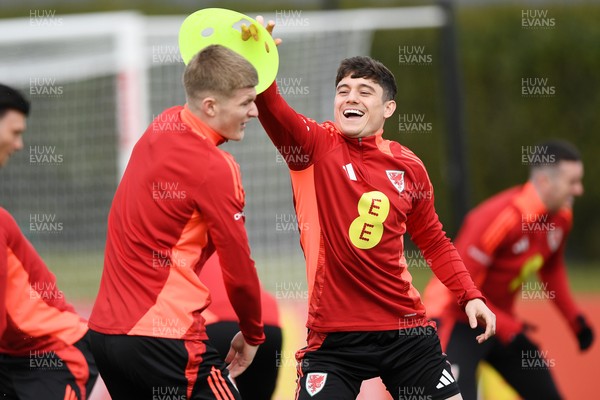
(180, 199)
(34, 314)
(503, 241)
(355, 199)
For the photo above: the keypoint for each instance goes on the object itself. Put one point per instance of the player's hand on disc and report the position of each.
(248, 32)
(240, 355)
(477, 311)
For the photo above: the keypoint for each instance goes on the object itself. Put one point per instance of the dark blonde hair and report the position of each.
(219, 71)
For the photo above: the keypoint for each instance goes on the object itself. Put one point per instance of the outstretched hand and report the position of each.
(477, 311)
(240, 355)
(252, 31)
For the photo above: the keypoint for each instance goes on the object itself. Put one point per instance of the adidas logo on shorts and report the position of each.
(445, 380)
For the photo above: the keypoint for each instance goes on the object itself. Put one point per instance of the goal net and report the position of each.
(96, 81)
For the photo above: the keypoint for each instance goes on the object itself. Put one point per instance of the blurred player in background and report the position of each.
(258, 381)
(44, 345)
(516, 233)
(180, 199)
(356, 195)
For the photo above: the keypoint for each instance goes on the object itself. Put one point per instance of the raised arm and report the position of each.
(299, 139)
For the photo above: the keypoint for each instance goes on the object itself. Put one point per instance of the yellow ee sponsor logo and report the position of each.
(530, 266)
(367, 229)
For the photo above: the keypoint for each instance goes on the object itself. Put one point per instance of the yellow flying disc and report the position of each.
(224, 27)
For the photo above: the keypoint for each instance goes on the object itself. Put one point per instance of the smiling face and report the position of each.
(231, 114)
(220, 90)
(12, 126)
(359, 107)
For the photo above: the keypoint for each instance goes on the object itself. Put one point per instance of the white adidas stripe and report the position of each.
(448, 375)
(445, 380)
(350, 171)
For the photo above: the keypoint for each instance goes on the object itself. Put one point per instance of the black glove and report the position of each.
(585, 335)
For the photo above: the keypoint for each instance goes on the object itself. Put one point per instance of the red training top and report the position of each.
(180, 199)
(34, 315)
(502, 241)
(355, 199)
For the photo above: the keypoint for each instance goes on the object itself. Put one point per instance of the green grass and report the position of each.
(583, 277)
(78, 275)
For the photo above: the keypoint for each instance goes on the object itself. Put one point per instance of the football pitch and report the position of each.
(78, 275)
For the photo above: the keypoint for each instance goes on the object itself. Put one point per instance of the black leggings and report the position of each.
(259, 380)
(521, 364)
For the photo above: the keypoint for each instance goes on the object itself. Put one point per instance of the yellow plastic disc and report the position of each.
(224, 27)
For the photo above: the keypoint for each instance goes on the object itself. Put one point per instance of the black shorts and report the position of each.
(150, 368)
(66, 374)
(410, 363)
(264, 367)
